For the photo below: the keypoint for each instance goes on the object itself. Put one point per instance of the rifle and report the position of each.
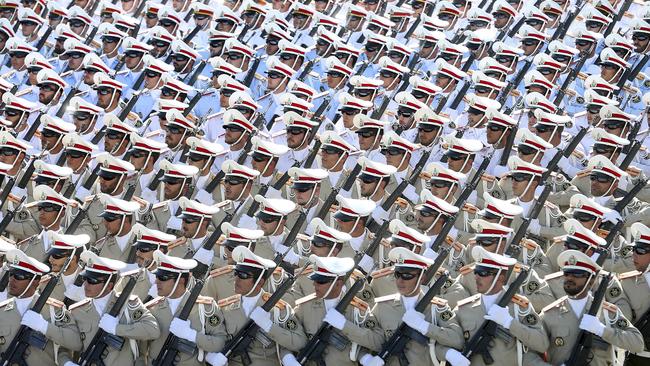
(68, 98)
(313, 350)
(90, 181)
(507, 148)
(32, 129)
(92, 34)
(329, 201)
(29, 170)
(102, 339)
(139, 9)
(6, 191)
(239, 344)
(396, 344)
(480, 341)
(623, 202)
(248, 79)
(130, 190)
(560, 32)
(305, 70)
(515, 82)
(643, 325)
(569, 79)
(617, 16)
(191, 34)
(124, 113)
(43, 39)
(307, 163)
(197, 72)
(9, 216)
(26, 337)
(582, 347)
(404, 84)
(568, 150)
(78, 218)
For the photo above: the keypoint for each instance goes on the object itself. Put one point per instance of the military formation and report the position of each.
(324, 182)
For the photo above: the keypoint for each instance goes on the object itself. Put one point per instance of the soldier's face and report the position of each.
(303, 196)
(406, 281)
(442, 81)
(262, 165)
(95, 290)
(143, 258)
(593, 114)
(46, 93)
(520, 182)
(11, 156)
(345, 226)
(165, 287)
(641, 257)
(602, 185)
(501, 19)
(459, 164)
(574, 282)
(295, 137)
(233, 188)
(108, 185)
(640, 41)
(74, 161)
(329, 159)
(425, 219)
(133, 59)
(178, 5)
(609, 72)
(105, 98)
(233, 135)
(47, 216)
(396, 160)
(321, 289)
(483, 284)
(494, 133)
(271, 226)
(427, 133)
(50, 140)
(174, 136)
(113, 226)
(57, 261)
(112, 140)
(368, 187)
(89, 76)
(27, 28)
(173, 188)
(243, 286)
(321, 250)
(19, 281)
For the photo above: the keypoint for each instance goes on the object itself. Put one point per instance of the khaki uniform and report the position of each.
(145, 286)
(550, 221)
(34, 247)
(158, 217)
(107, 247)
(635, 287)
(562, 326)
(326, 185)
(444, 331)
(219, 284)
(66, 292)
(360, 328)
(561, 192)
(205, 318)
(613, 295)
(93, 220)
(238, 209)
(24, 224)
(286, 331)
(292, 217)
(136, 323)
(525, 328)
(61, 331)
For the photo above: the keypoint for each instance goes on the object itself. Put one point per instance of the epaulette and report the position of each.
(631, 274)
(520, 300)
(357, 275)
(29, 238)
(488, 178)
(467, 269)
(610, 307)
(90, 198)
(468, 300)
(281, 304)
(554, 275)
(122, 72)
(228, 300)
(54, 302)
(206, 93)
(205, 300)
(45, 279)
(79, 304)
(213, 115)
(382, 272)
(222, 270)
(359, 304)
(530, 244)
(178, 242)
(307, 271)
(159, 205)
(155, 301)
(468, 207)
(439, 302)
(278, 271)
(580, 114)
(394, 296)
(559, 239)
(305, 299)
(551, 205)
(4, 303)
(578, 154)
(23, 92)
(153, 133)
(583, 173)
(554, 303)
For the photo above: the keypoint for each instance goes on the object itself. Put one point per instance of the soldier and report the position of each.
(78, 155)
(566, 318)
(518, 322)
(178, 181)
(305, 190)
(355, 332)
(272, 220)
(204, 155)
(437, 322)
(50, 326)
(119, 218)
(236, 189)
(133, 323)
(204, 327)
(177, 129)
(51, 135)
(280, 331)
(144, 154)
(62, 248)
(196, 220)
(265, 157)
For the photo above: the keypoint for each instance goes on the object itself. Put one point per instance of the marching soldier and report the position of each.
(65, 250)
(119, 218)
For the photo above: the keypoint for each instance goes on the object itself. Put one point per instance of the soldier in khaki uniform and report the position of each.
(305, 192)
(352, 217)
(265, 157)
(134, 322)
(112, 175)
(356, 330)
(280, 332)
(635, 286)
(518, 323)
(437, 323)
(78, 155)
(335, 157)
(196, 220)
(236, 187)
(373, 184)
(52, 324)
(119, 218)
(205, 325)
(567, 317)
(145, 156)
(204, 155)
(272, 220)
(178, 181)
(63, 247)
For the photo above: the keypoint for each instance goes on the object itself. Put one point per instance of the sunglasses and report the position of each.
(405, 112)
(367, 133)
(287, 56)
(501, 15)
(166, 277)
(505, 59)
(583, 43)
(392, 151)
(58, 256)
(484, 272)
(600, 178)
(529, 42)
(613, 125)
(486, 241)
(11, 112)
(323, 281)
(233, 128)
(406, 276)
(335, 75)
(520, 177)
(139, 154)
(295, 131)
(441, 183)
(387, 75)
(474, 111)
(640, 250)
(151, 74)
(302, 190)
(425, 213)
(74, 154)
(274, 75)
(114, 135)
(583, 217)
(526, 150)
(48, 208)
(456, 156)
(427, 128)
(542, 128)
(20, 276)
(95, 281)
(49, 133)
(233, 181)
(190, 219)
(639, 37)
(369, 180)
(146, 248)
(111, 218)
(594, 110)
(103, 91)
(269, 220)
(362, 93)
(576, 273)
(495, 127)
(217, 44)
(197, 157)
(593, 25)
(243, 275)
(48, 88)
(482, 89)
(603, 150)
(160, 44)
(8, 152)
(574, 245)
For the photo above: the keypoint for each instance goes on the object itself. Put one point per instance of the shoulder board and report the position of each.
(154, 301)
(468, 207)
(583, 173)
(559, 239)
(631, 274)
(305, 299)
(90, 198)
(551, 205)
(205, 94)
(222, 270)
(467, 269)
(281, 304)
(468, 300)
(24, 91)
(4, 303)
(54, 302)
(382, 272)
(357, 274)
(488, 178)
(530, 244)
(580, 114)
(578, 154)
(520, 300)
(610, 307)
(439, 302)
(204, 300)
(122, 72)
(229, 300)
(79, 304)
(554, 275)
(213, 115)
(554, 303)
(394, 296)
(159, 205)
(153, 133)
(307, 271)
(359, 304)
(26, 240)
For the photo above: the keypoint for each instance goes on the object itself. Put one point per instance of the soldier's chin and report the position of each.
(571, 290)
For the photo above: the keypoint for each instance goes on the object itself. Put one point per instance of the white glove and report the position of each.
(592, 325)
(499, 315)
(500, 170)
(291, 257)
(370, 360)
(204, 256)
(335, 319)
(456, 358)
(262, 318)
(411, 194)
(367, 264)
(290, 360)
(534, 227)
(612, 216)
(430, 253)
(108, 323)
(35, 321)
(182, 329)
(416, 321)
(215, 359)
(174, 223)
(70, 363)
(379, 214)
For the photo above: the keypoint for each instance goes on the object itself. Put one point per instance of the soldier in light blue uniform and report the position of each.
(154, 69)
(17, 50)
(448, 78)
(75, 52)
(111, 43)
(240, 56)
(132, 64)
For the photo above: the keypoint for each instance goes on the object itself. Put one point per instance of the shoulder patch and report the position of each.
(468, 300)
(222, 271)
(626, 275)
(305, 299)
(394, 296)
(555, 303)
(382, 272)
(154, 301)
(610, 307)
(79, 304)
(54, 302)
(229, 300)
